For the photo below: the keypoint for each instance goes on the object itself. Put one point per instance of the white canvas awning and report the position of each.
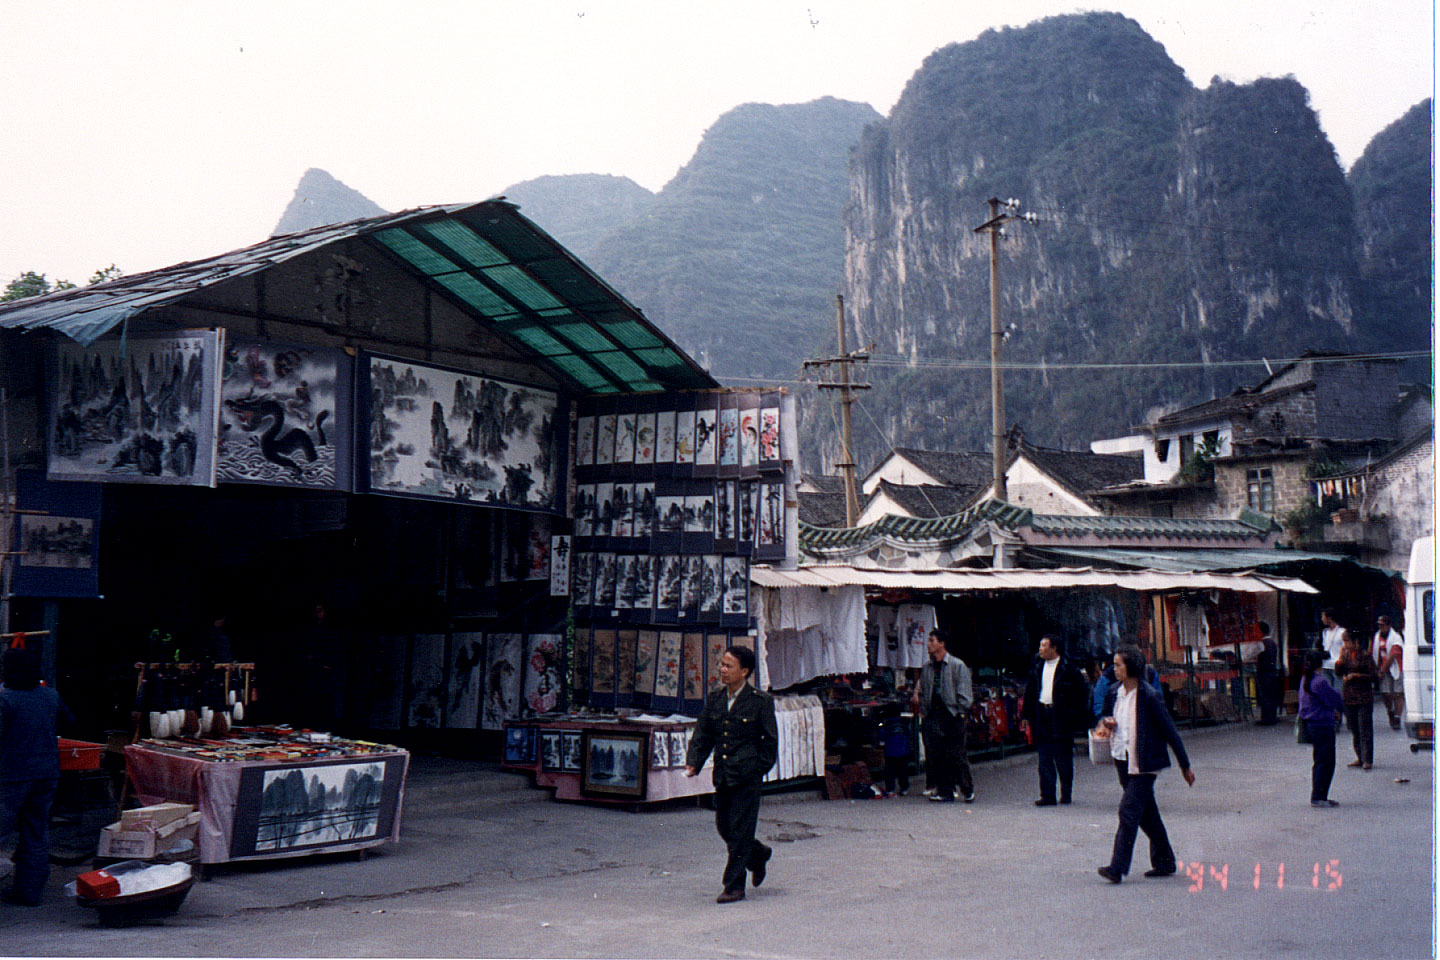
(963, 581)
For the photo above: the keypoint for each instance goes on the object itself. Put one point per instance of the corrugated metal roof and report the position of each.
(487, 259)
(962, 581)
(1279, 561)
(911, 529)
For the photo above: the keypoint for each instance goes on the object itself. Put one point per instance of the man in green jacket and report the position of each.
(738, 724)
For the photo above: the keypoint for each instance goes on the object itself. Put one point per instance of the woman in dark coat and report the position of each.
(1319, 704)
(1359, 678)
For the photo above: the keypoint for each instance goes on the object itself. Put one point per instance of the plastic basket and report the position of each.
(79, 754)
(1100, 750)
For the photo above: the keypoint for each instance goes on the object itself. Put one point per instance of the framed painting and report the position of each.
(659, 750)
(615, 764)
(550, 750)
(570, 749)
(310, 806)
(60, 540)
(679, 745)
(519, 744)
(442, 434)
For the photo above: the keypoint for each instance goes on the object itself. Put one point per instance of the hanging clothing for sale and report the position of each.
(887, 638)
(1193, 627)
(914, 622)
(812, 632)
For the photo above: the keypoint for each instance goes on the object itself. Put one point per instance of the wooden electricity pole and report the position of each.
(845, 359)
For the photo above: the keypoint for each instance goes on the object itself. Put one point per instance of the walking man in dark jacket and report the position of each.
(1056, 706)
(29, 770)
(1141, 734)
(738, 724)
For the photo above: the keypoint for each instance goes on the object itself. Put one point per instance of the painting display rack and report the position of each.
(268, 797)
(607, 760)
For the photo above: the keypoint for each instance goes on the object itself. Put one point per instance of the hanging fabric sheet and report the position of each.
(813, 632)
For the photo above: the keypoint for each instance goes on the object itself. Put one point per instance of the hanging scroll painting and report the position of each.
(504, 668)
(427, 688)
(543, 660)
(139, 410)
(447, 435)
(285, 416)
(467, 657)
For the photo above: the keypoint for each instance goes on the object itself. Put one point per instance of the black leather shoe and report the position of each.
(1161, 871)
(757, 873)
(730, 896)
(1109, 874)
(1044, 802)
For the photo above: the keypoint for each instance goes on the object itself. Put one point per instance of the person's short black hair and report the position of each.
(1330, 612)
(20, 669)
(942, 636)
(1133, 658)
(1055, 642)
(743, 656)
(1264, 629)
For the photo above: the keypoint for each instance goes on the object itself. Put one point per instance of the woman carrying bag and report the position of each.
(1359, 678)
(1319, 704)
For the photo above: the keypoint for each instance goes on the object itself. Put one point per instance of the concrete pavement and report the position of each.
(491, 867)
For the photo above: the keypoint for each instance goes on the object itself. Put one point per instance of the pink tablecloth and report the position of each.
(159, 775)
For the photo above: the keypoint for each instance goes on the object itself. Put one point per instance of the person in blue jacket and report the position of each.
(29, 769)
(1141, 734)
(1319, 707)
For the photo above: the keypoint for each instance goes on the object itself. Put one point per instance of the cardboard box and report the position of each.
(146, 841)
(157, 815)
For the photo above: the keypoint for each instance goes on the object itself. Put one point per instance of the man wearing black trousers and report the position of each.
(738, 724)
(1056, 705)
(1140, 731)
(942, 698)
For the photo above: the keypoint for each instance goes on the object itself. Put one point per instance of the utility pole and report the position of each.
(844, 360)
(995, 226)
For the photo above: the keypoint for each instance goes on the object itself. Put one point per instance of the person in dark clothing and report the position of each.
(1267, 678)
(1057, 703)
(1358, 680)
(738, 724)
(1319, 704)
(942, 698)
(1140, 731)
(895, 738)
(29, 769)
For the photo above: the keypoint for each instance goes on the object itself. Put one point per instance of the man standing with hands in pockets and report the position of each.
(738, 724)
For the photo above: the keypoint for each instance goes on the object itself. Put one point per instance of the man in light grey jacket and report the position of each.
(942, 698)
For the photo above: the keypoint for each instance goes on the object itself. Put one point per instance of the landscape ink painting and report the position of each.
(284, 416)
(138, 410)
(447, 435)
(334, 803)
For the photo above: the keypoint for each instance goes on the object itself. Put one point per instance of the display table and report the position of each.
(606, 762)
(281, 799)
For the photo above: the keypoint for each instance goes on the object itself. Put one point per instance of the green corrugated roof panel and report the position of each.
(418, 254)
(583, 335)
(631, 334)
(540, 341)
(522, 287)
(619, 364)
(470, 245)
(475, 293)
(583, 372)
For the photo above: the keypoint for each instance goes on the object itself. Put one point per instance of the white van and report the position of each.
(1418, 663)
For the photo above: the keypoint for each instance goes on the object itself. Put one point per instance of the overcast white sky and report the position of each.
(147, 133)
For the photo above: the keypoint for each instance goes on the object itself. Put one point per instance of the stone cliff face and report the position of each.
(320, 199)
(580, 210)
(1176, 224)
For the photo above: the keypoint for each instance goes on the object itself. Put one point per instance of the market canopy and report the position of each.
(966, 581)
(489, 261)
(1189, 560)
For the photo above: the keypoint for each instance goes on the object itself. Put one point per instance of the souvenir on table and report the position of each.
(745, 511)
(725, 516)
(625, 582)
(770, 536)
(442, 434)
(749, 404)
(691, 567)
(543, 671)
(667, 588)
(604, 519)
(669, 515)
(605, 423)
(644, 521)
(605, 584)
(570, 747)
(625, 641)
(770, 447)
(550, 751)
(715, 646)
(580, 669)
(602, 669)
(647, 650)
(693, 668)
(137, 409)
(727, 437)
(667, 672)
(711, 588)
(665, 442)
(645, 443)
(504, 669)
(584, 442)
(735, 602)
(679, 745)
(659, 750)
(285, 416)
(684, 437)
(707, 429)
(699, 533)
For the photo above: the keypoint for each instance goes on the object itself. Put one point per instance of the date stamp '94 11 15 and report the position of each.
(1322, 876)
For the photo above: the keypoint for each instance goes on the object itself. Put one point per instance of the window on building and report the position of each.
(1187, 447)
(1162, 450)
(1212, 438)
(1260, 489)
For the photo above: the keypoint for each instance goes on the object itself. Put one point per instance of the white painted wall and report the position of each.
(1162, 471)
(1135, 443)
(1027, 486)
(897, 470)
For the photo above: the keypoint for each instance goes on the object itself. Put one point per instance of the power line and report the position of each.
(886, 360)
